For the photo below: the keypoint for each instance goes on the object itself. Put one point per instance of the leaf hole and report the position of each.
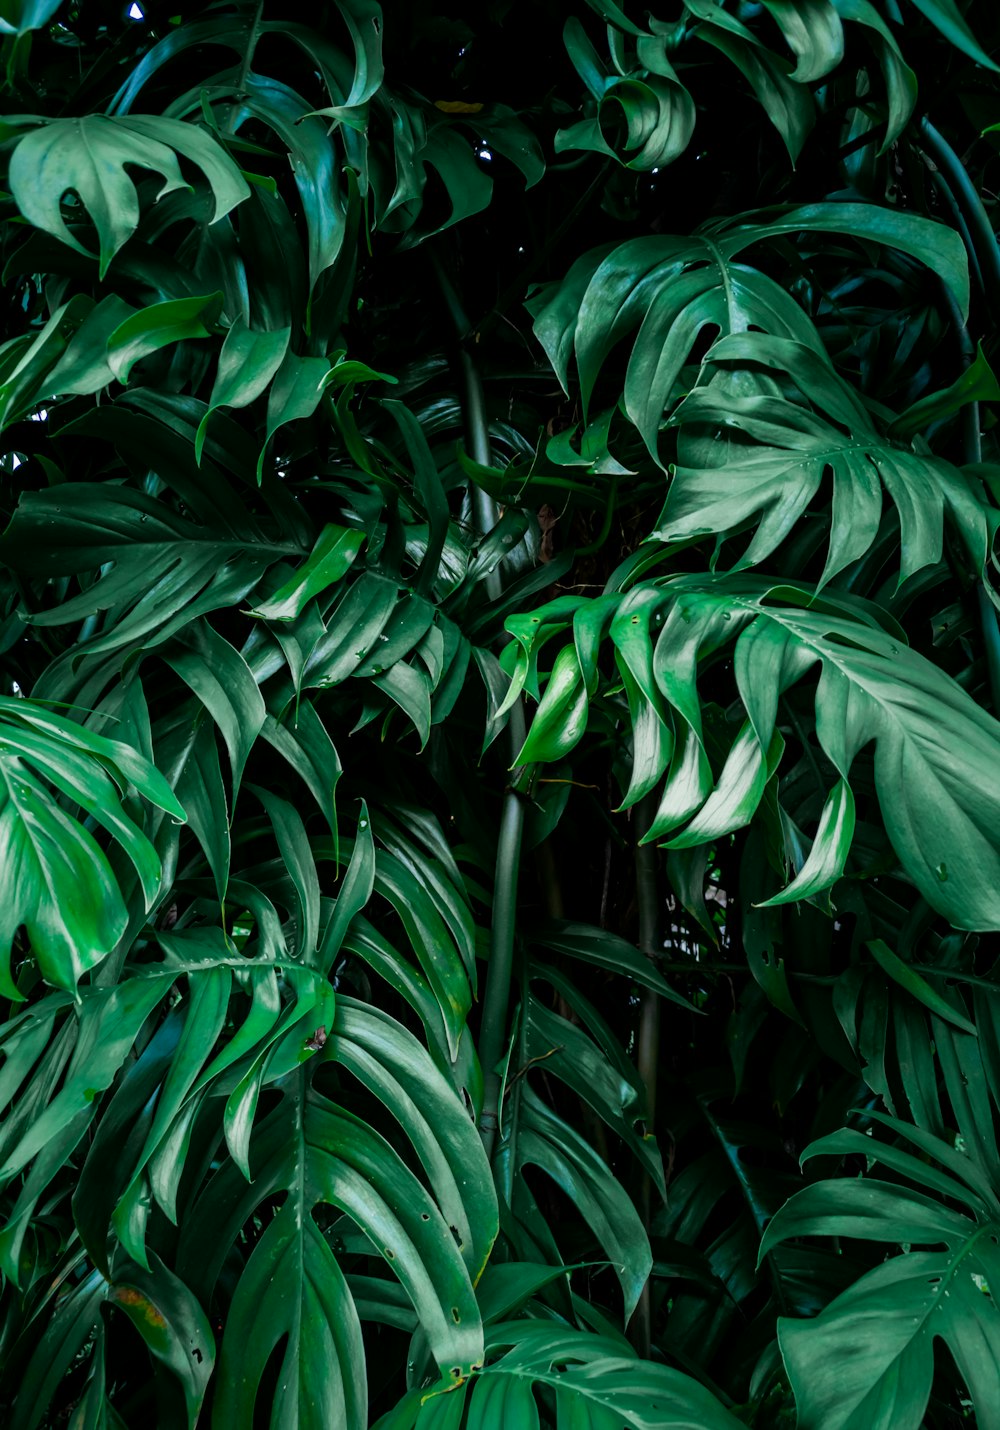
(455, 1315)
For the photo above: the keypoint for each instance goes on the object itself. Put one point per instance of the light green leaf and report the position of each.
(247, 363)
(908, 978)
(946, 17)
(596, 1383)
(20, 17)
(328, 562)
(88, 156)
(825, 862)
(977, 383)
(158, 326)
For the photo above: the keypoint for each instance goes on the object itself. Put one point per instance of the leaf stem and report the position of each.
(983, 239)
(650, 902)
(496, 999)
(968, 205)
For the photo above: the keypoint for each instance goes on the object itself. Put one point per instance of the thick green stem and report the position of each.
(983, 240)
(982, 244)
(650, 901)
(496, 999)
(477, 428)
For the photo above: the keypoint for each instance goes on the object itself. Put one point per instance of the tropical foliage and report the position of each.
(499, 767)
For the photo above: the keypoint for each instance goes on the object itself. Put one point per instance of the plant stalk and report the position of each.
(496, 998)
(650, 901)
(983, 251)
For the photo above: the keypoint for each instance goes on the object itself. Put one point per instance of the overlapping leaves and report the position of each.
(935, 748)
(944, 1201)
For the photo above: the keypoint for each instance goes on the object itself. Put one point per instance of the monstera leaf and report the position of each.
(935, 776)
(160, 569)
(671, 289)
(55, 880)
(596, 1381)
(777, 478)
(291, 1289)
(658, 111)
(843, 1376)
(87, 157)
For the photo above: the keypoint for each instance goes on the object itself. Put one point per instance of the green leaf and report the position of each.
(314, 164)
(20, 17)
(673, 288)
(173, 1325)
(606, 950)
(293, 1292)
(109, 1022)
(247, 363)
(789, 106)
(911, 980)
(328, 562)
(946, 17)
(976, 384)
(161, 570)
(352, 895)
(545, 1141)
(318, 1152)
(610, 1086)
(222, 681)
(825, 862)
(657, 110)
(911, 1299)
(88, 156)
(390, 1062)
(158, 326)
(561, 719)
(25, 384)
(813, 33)
(306, 745)
(84, 367)
(54, 877)
(58, 1347)
(780, 477)
(900, 81)
(594, 1379)
(298, 385)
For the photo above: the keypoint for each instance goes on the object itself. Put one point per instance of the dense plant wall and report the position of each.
(499, 768)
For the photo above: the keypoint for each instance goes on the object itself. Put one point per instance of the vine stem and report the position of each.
(981, 243)
(650, 902)
(496, 999)
(503, 929)
(982, 239)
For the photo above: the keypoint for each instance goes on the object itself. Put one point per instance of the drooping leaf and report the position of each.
(88, 156)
